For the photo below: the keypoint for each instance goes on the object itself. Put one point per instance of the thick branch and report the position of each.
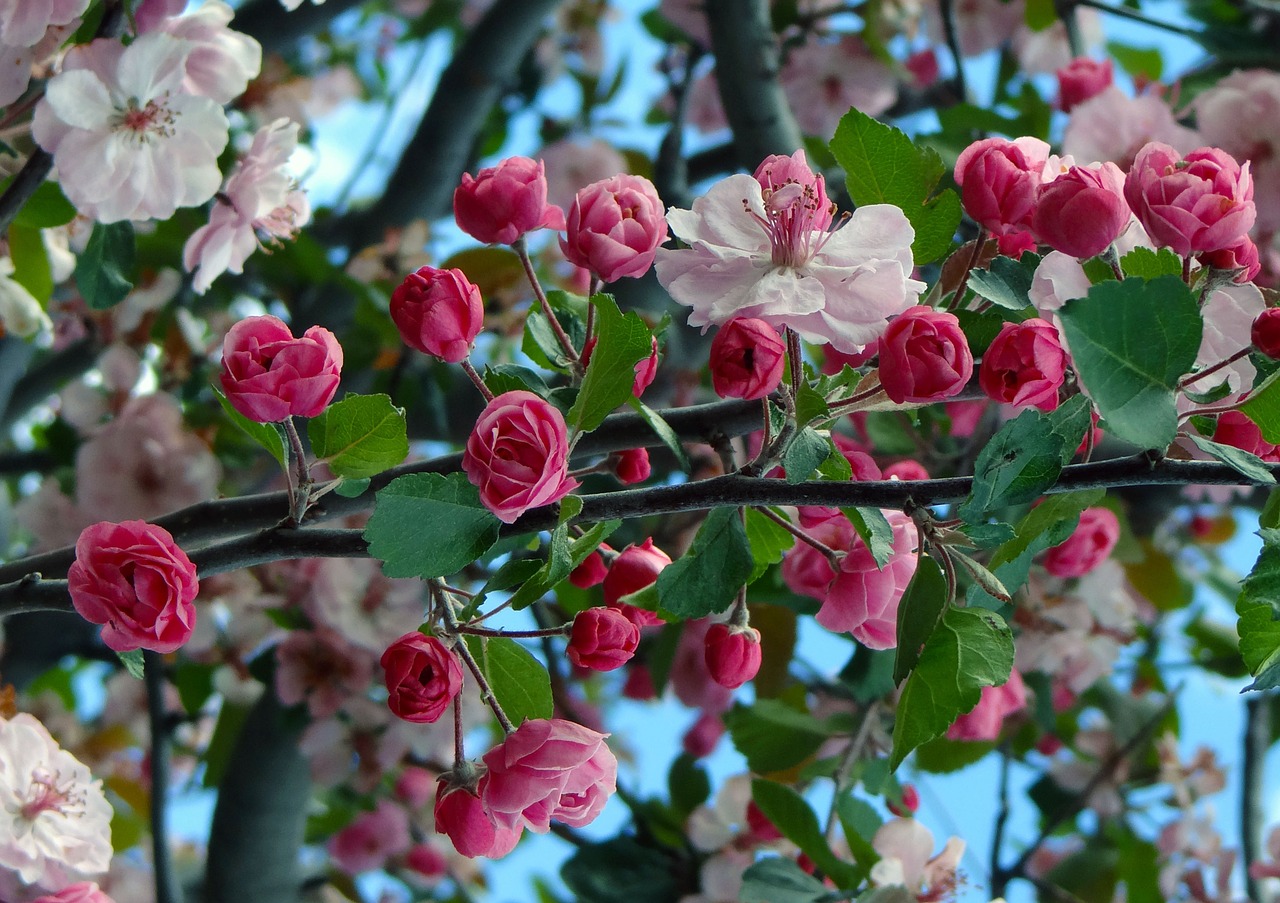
(275, 27)
(167, 889)
(1257, 740)
(747, 63)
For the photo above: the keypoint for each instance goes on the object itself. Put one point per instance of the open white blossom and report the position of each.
(128, 143)
(222, 61)
(55, 822)
(23, 23)
(20, 313)
(906, 847)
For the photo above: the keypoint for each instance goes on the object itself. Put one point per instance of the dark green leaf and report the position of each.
(810, 404)
(773, 736)
(47, 208)
(796, 820)
(563, 557)
(874, 529)
(132, 661)
(31, 262)
(706, 579)
(1243, 462)
(512, 378)
(429, 525)
(687, 784)
(601, 872)
(1070, 420)
(1056, 511)
(1263, 407)
(350, 489)
(360, 436)
(806, 451)
(1007, 282)
(1258, 608)
(518, 680)
(919, 613)
(105, 270)
(623, 341)
(1020, 462)
(269, 435)
(768, 542)
(779, 880)
(662, 430)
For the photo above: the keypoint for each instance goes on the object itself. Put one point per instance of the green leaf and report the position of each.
(1131, 341)
(132, 661)
(773, 736)
(1263, 407)
(564, 556)
(1258, 608)
(105, 269)
(860, 822)
(768, 542)
(1145, 263)
(429, 525)
(779, 880)
(919, 613)
(883, 166)
(796, 820)
(269, 435)
(970, 649)
(1020, 462)
(687, 784)
(30, 262)
(623, 341)
(874, 529)
(351, 489)
(662, 430)
(835, 467)
(706, 579)
(1007, 282)
(810, 404)
(1243, 462)
(1040, 14)
(512, 378)
(360, 436)
(47, 208)
(1069, 421)
(599, 873)
(808, 449)
(519, 681)
(1146, 63)
(1053, 512)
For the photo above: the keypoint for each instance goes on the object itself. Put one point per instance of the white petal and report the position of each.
(80, 100)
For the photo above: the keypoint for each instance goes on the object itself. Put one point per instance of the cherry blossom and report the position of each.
(1112, 126)
(221, 61)
(765, 256)
(1238, 114)
(905, 846)
(823, 80)
(127, 141)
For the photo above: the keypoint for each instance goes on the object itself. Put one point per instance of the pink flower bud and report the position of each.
(637, 567)
(910, 802)
(518, 455)
(603, 639)
(548, 770)
(906, 470)
(422, 676)
(133, 579)
(732, 654)
(632, 465)
(1265, 333)
(268, 375)
(460, 815)
(415, 786)
(504, 202)
(371, 839)
(703, 735)
(639, 684)
(1025, 365)
(1241, 258)
(1082, 211)
(592, 571)
(747, 358)
(1086, 548)
(923, 67)
(438, 312)
(645, 370)
(924, 356)
(1081, 79)
(427, 862)
(762, 829)
(81, 892)
(614, 227)
(1203, 202)
(998, 180)
(985, 720)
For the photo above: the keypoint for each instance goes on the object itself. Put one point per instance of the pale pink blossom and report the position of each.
(371, 839)
(1059, 278)
(319, 667)
(822, 80)
(21, 314)
(981, 25)
(23, 23)
(222, 61)
(55, 822)
(260, 202)
(1048, 50)
(1112, 126)
(755, 256)
(1238, 114)
(17, 60)
(1228, 315)
(906, 858)
(572, 164)
(128, 142)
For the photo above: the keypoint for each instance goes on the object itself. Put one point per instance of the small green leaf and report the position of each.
(1131, 341)
(30, 262)
(687, 784)
(1020, 462)
(1258, 608)
(132, 661)
(351, 489)
(773, 736)
(1263, 407)
(982, 576)
(810, 404)
(429, 525)
(874, 529)
(662, 430)
(599, 873)
(1241, 461)
(969, 650)
(1146, 63)
(1145, 263)
(706, 579)
(796, 820)
(105, 269)
(47, 208)
(919, 613)
(513, 378)
(1056, 510)
(360, 436)
(519, 681)
(269, 435)
(768, 542)
(804, 453)
(1007, 282)
(623, 341)
(1040, 14)
(779, 880)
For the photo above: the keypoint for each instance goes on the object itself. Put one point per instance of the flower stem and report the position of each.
(486, 691)
(832, 556)
(300, 477)
(475, 378)
(1196, 377)
(523, 253)
(459, 755)
(793, 352)
(957, 300)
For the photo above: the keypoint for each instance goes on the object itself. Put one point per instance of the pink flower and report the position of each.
(805, 570)
(1265, 334)
(1087, 547)
(260, 202)
(501, 203)
(906, 470)
(924, 356)
(591, 572)
(371, 839)
(438, 312)
(268, 375)
(769, 255)
(646, 370)
(603, 639)
(426, 862)
(80, 892)
(25, 24)
(1202, 202)
(1241, 258)
(984, 721)
(415, 787)
(1082, 79)
(637, 567)
(732, 654)
(1025, 365)
(1114, 126)
(631, 465)
(319, 667)
(133, 579)
(128, 142)
(703, 735)
(1229, 313)
(518, 455)
(1238, 114)
(999, 179)
(862, 599)
(548, 770)
(747, 359)
(1238, 431)
(1082, 211)
(614, 227)
(822, 80)
(460, 815)
(422, 677)
(572, 163)
(55, 821)
(221, 62)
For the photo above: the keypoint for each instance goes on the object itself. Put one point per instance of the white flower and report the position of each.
(770, 258)
(20, 313)
(127, 142)
(905, 846)
(260, 197)
(1114, 126)
(222, 61)
(1228, 324)
(55, 822)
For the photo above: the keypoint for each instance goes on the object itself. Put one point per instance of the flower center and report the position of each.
(48, 794)
(142, 123)
(796, 222)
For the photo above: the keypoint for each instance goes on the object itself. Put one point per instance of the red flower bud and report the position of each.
(603, 639)
(1265, 334)
(1086, 548)
(422, 677)
(924, 356)
(501, 203)
(747, 358)
(460, 815)
(1081, 79)
(637, 567)
(732, 654)
(1025, 365)
(438, 312)
(614, 227)
(632, 465)
(592, 571)
(1082, 211)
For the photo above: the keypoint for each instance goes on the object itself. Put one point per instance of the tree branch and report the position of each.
(1257, 740)
(166, 884)
(275, 28)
